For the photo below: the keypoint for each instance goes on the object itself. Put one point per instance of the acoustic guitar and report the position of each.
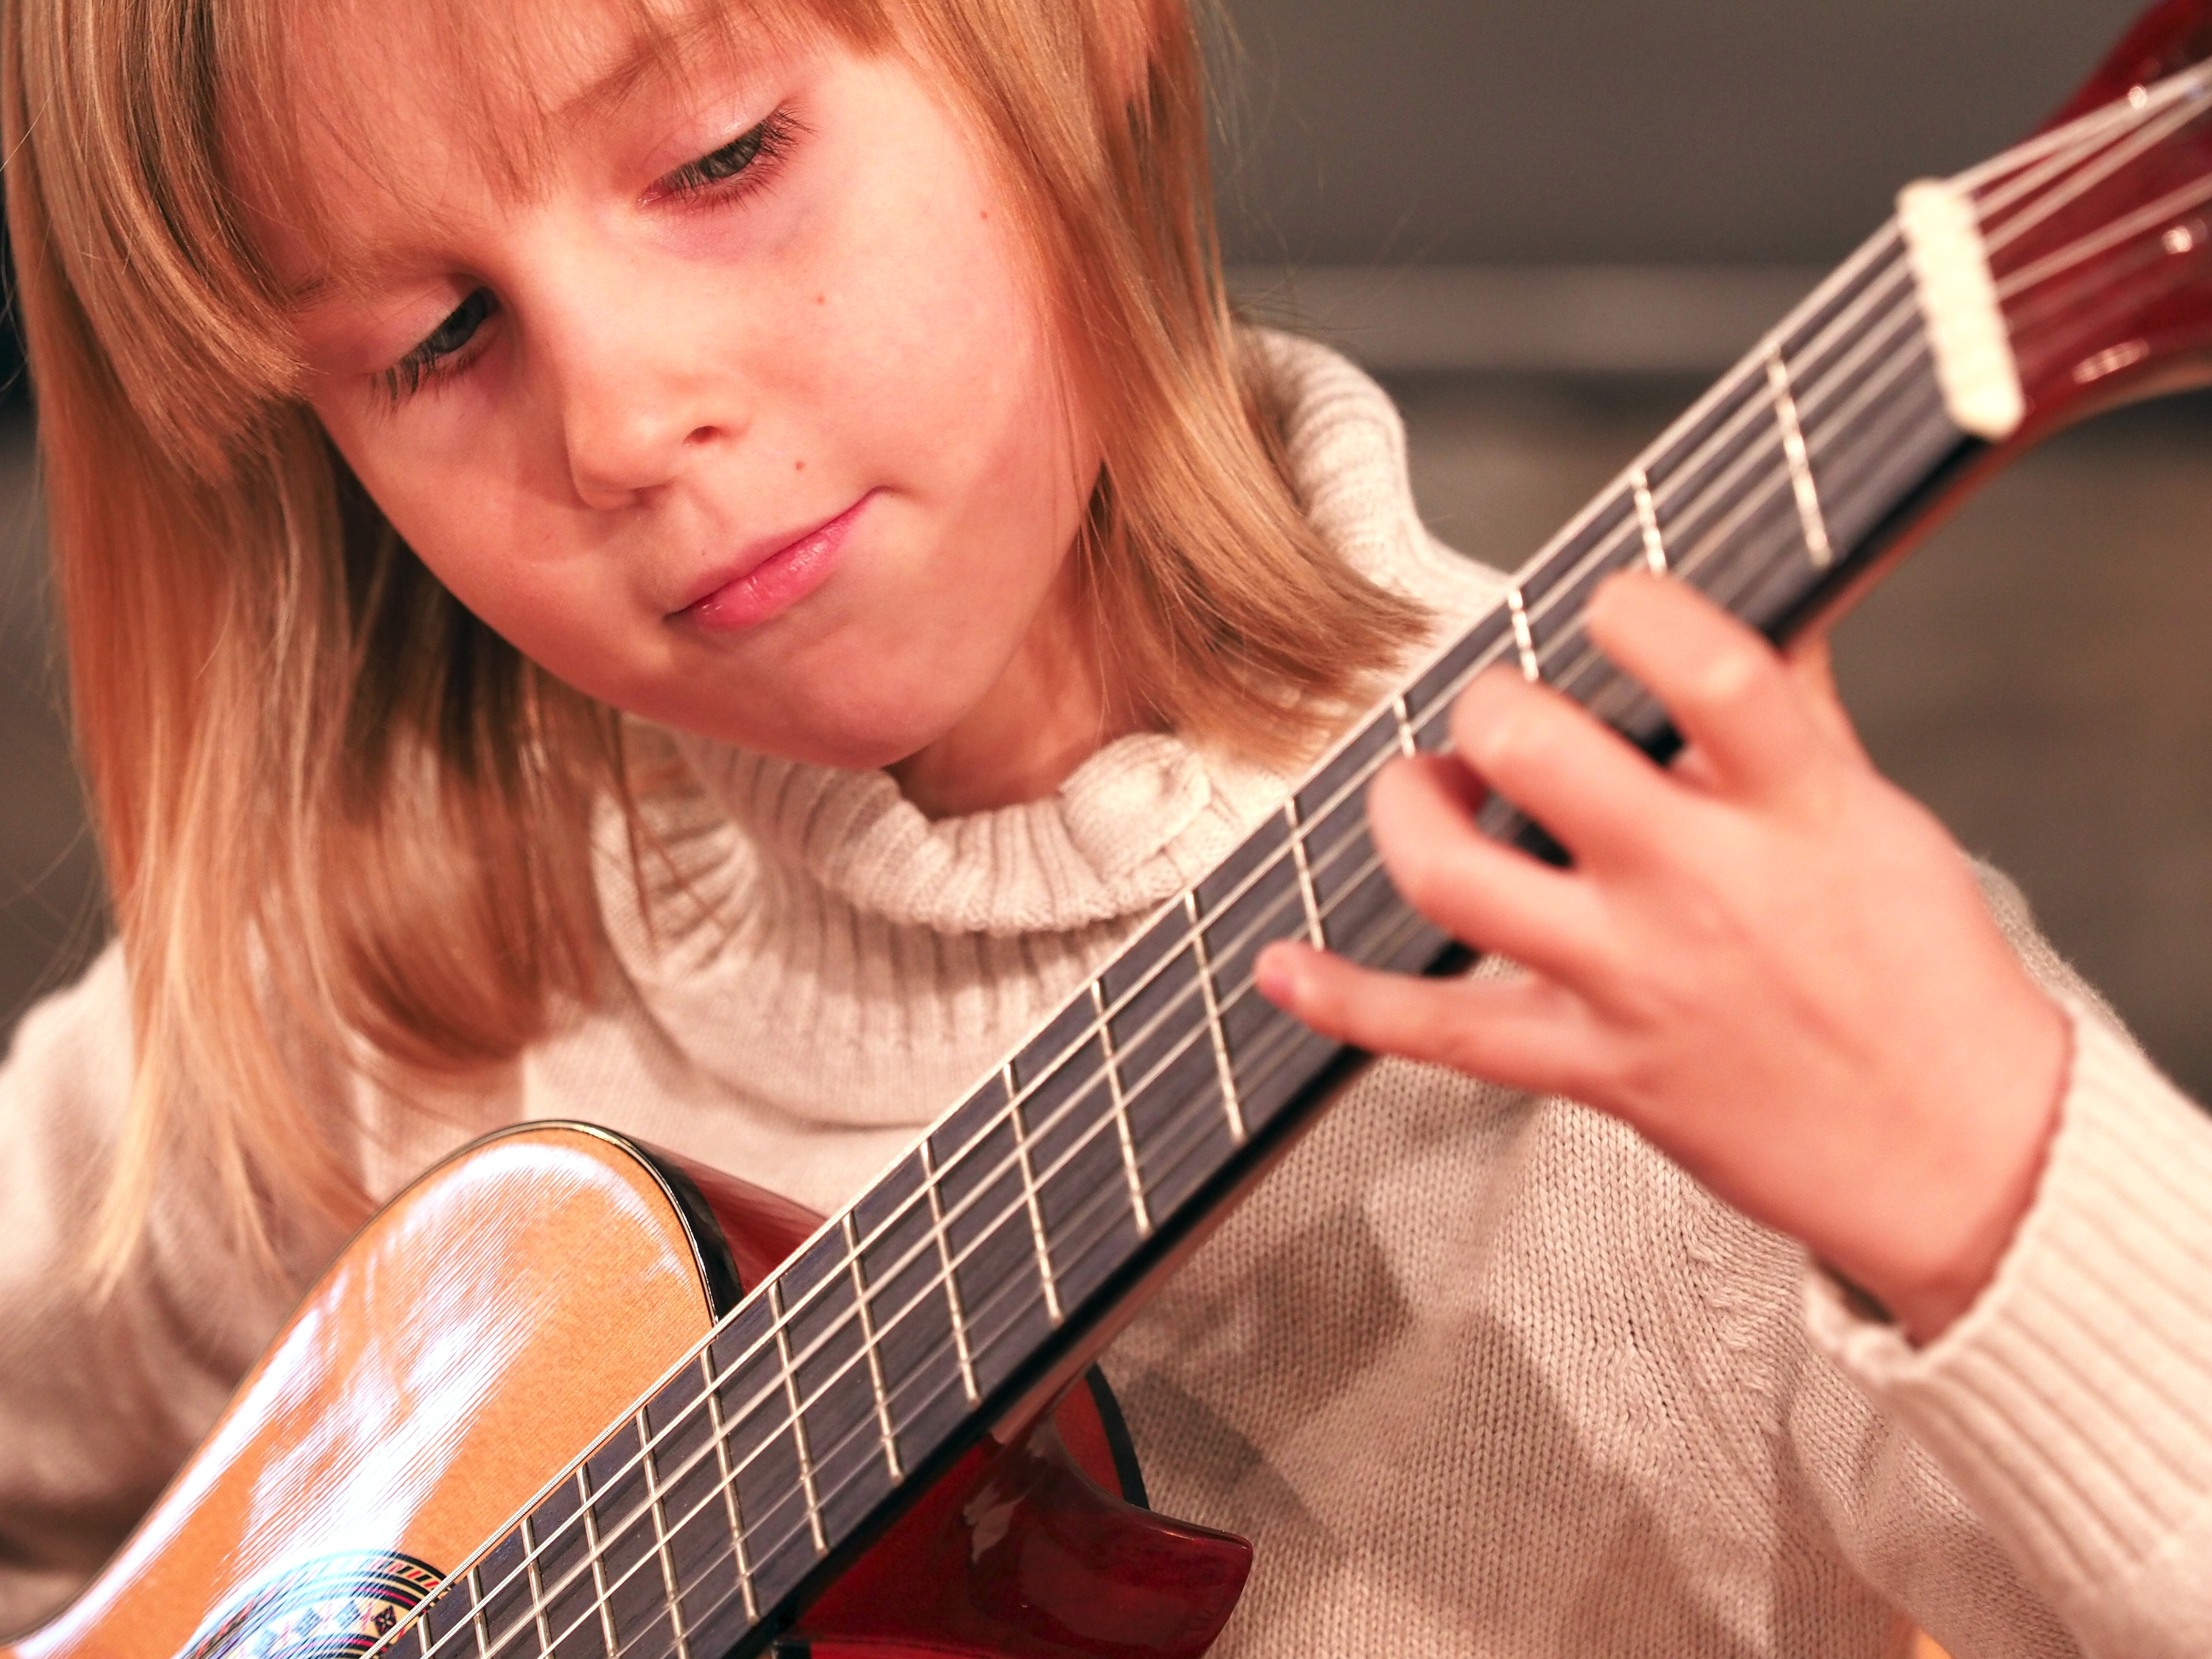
(568, 1398)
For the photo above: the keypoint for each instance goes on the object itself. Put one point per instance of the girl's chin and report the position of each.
(874, 747)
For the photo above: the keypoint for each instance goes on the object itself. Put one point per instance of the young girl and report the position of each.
(699, 568)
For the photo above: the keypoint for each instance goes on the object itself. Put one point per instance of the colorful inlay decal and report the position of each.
(337, 1607)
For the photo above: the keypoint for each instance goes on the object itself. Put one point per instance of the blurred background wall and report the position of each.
(1546, 226)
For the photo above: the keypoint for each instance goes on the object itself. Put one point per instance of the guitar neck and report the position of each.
(996, 1254)
(991, 1257)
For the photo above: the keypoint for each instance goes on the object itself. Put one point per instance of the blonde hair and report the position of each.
(347, 828)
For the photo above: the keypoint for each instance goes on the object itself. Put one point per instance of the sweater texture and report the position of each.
(1478, 1372)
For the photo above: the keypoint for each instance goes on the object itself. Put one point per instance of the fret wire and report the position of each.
(1694, 487)
(1305, 875)
(1814, 405)
(1523, 641)
(1715, 399)
(727, 1485)
(1647, 519)
(1574, 632)
(653, 1505)
(798, 1421)
(1893, 291)
(1405, 723)
(868, 1342)
(1849, 429)
(536, 1581)
(477, 1611)
(1755, 496)
(1232, 1102)
(1801, 464)
(1052, 1307)
(1405, 744)
(944, 1261)
(598, 1565)
(1130, 1169)
(1885, 246)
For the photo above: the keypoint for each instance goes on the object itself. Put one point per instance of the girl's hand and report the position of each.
(1770, 961)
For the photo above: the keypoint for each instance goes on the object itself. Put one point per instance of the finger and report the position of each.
(1494, 898)
(1524, 1032)
(1599, 797)
(1726, 687)
(1812, 665)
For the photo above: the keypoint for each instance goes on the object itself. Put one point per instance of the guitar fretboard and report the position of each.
(989, 1253)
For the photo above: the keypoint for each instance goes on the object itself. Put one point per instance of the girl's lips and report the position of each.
(766, 587)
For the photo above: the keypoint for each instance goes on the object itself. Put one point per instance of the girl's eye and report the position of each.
(435, 355)
(747, 153)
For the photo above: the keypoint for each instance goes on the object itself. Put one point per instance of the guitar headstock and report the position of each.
(2099, 231)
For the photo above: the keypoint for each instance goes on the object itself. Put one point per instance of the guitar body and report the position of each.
(483, 1329)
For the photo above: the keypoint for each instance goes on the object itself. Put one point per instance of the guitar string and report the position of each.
(2085, 132)
(1352, 886)
(2084, 172)
(1353, 784)
(2178, 200)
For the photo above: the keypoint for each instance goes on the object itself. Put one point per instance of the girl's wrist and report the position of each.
(1970, 1210)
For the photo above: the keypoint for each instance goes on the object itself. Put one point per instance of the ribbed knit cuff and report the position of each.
(2072, 1404)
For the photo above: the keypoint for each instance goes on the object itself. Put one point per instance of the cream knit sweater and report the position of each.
(1478, 1372)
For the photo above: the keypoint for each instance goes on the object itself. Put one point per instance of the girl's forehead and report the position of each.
(370, 110)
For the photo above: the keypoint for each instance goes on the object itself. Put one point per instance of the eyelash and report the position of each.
(750, 158)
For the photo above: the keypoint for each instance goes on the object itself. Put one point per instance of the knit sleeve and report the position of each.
(100, 1398)
(2072, 1404)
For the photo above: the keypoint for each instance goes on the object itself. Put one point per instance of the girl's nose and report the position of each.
(623, 445)
(637, 399)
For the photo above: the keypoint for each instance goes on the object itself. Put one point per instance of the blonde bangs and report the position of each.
(348, 829)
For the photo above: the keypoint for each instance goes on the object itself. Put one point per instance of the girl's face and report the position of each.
(741, 411)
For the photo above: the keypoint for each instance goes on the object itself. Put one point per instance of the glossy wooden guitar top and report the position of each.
(424, 1391)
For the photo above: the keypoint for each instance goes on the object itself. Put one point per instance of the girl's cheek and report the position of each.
(767, 224)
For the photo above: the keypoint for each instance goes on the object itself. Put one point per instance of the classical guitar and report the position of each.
(566, 1398)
